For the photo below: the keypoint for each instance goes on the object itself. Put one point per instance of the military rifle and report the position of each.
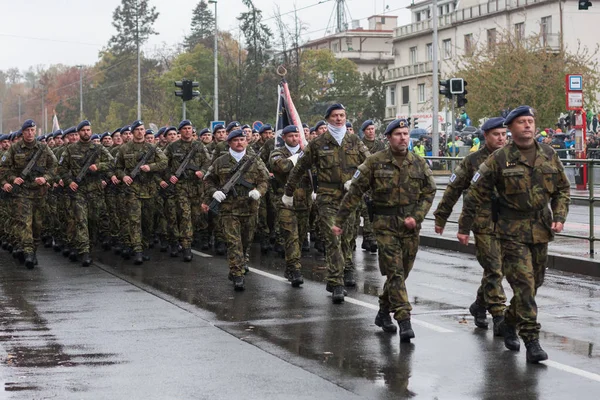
(185, 165)
(95, 152)
(143, 161)
(31, 166)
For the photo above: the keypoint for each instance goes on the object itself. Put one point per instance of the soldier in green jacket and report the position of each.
(402, 190)
(527, 176)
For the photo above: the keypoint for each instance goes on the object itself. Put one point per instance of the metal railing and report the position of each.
(590, 199)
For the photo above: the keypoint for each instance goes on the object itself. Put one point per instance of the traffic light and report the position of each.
(461, 99)
(445, 88)
(408, 120)
(584, 4)
(457, 86)
(187, 91)
(416, 122)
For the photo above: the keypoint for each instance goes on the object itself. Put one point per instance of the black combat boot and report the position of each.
(280, 250)
(511, 340)
(66, 251)
(535, 353)
(478, 312)
(297, 278)
(221, 248)
(384, 321)
(86, 260)
(35, 261)
(320, 246)
(499, 325)
(58, 246)
(330, 288)
(246, 269)
(406, 330)
(174, 250)
(349, 278)
(238, 283)
(145, 256)
(48, 242)
(126, 253)
(187, 255)
(265, 245)
(138, 258)
(74, 257)
(305, 246)
(29, 260)
(106, 245)
(366, 244)
(117, 248)
(373, 247)
(337, 297)
(288, 274)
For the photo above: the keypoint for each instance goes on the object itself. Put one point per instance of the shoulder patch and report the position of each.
(61, 159)
(3, 158)
(452, 178)
(356, 174)
(276, 157)
(476, 177)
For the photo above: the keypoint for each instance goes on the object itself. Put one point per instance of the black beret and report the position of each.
(305, 125)
(204, 132)
(245, 126)
(136, 124)
(57, 133)
(185, 122)
(320, 124)
(521, 111)
(492, 123)
(28, 124)
(149, 132)
(217, 127)
(126, 128)
(235, 133)
(115, 131)
(397, 123)
(169, 129)
(70, 130)
(333, 107)
(105, 134)
(290, 129)
(162, 130)
(83, 124)
(233, 124)
(366, 124)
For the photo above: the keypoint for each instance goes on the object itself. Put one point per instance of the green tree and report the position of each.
(203, 27)
(133, 20)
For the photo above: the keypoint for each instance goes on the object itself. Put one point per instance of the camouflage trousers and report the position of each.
(338, 249)
(89, 209)
(189, 211)
(490, 294)
(367, 232)
(121, 205)
(29, 214)
(140, 212)
(524, 266)
(293, 226)
(239, 233)
(172, 221)
(313, 221)
(396, 259)
(114, 221)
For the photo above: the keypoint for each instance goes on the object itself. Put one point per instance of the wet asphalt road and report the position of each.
(174, 330)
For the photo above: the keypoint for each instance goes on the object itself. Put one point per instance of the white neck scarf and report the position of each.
(236, 155)
(337, 133)
(294, 149)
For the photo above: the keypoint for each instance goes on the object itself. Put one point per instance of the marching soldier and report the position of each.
(527, 176)
(490, 295)
(267, 138)
(402, 190)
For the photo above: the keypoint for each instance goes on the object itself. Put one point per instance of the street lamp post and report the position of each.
(80, 91)
(216, 95)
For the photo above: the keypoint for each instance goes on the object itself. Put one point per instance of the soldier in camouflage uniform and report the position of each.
(239, 207)
(266, 208)
(490, 295)
(188, 186)
(293, 221)
(140, 190)
(527, 177)
(29, 191)
(402, 190)
(87, 194)
(66, 230)
(335, 155)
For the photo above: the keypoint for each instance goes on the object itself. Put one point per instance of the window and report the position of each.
(491, 39)
(429, 52)
(335, 48)
(405, 94)
(383, 20)
(413, 55)
(349, 43)
(392, 95)
(469, 49)
(447, 48)
(421, 89)
(546, 29)
(418, 17)
(519, 31)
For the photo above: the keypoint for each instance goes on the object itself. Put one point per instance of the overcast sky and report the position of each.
(72, 32)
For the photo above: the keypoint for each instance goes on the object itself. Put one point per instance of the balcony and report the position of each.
(365, 56)
(462, 15)
(409, 71)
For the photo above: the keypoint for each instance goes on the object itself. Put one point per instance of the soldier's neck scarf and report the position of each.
(236, 155)
(294, 149)
(337, 133)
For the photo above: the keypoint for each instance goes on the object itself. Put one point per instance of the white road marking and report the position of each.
(201, 254)
(572, 370)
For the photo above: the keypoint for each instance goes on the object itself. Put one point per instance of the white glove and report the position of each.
(313, 196)
(255, 194)
(347, 184)
(294, 158)
(219, 196)
(287, 200)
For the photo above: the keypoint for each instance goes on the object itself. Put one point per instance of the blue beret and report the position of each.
(217, 127)
(136, 124)
(397, 123)
(333, 107)
(305, 125)
(521, 111)
(18, 133)
(204, 132)
(70, 130)
(157, 134)
(254, 130)
(235, 133)
(366, 124)
(3, 137)
(83, 124)
(57, 133)
(105, 134)
(245, 126)
(149, 132)
(126, 128)
(28, 124)
(185, 122)
(95, 136)
(161, 130)
(40, 138)
(311, 130)
(348, 124)
(492, 123)
(169, 129)
(264, 128)
(290, 129)
(233, 124)
(115, 131)
(320, 124)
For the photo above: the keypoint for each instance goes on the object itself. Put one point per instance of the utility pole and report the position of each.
(435, 136)
(1, 117)
(216, 95)
(43, 108)
(80, 91)
(19, 109)
(139, 83)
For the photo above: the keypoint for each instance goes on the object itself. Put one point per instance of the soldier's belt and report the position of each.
(509, 213)
(391, 211)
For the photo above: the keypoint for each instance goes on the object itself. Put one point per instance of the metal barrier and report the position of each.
(568, 163)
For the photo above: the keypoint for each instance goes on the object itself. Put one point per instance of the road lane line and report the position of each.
(201, 254)
(572, 370)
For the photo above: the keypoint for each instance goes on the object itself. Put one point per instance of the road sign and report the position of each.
(574, 100)
(575, 83)
(215, 123)
(257, 125)
(574, 91)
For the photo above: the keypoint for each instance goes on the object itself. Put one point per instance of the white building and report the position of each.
(368, 48)
(464, 24)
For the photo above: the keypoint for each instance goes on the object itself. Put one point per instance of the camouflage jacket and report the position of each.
(459, 183)
(222, 148)
(334, 165)
(72, 159)
(281, 166)
(524, 192)
(397, 192)
(374, 146)
(177, 151)
(16, 158)
(145, 184)
(268, 145)
(238, 203)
